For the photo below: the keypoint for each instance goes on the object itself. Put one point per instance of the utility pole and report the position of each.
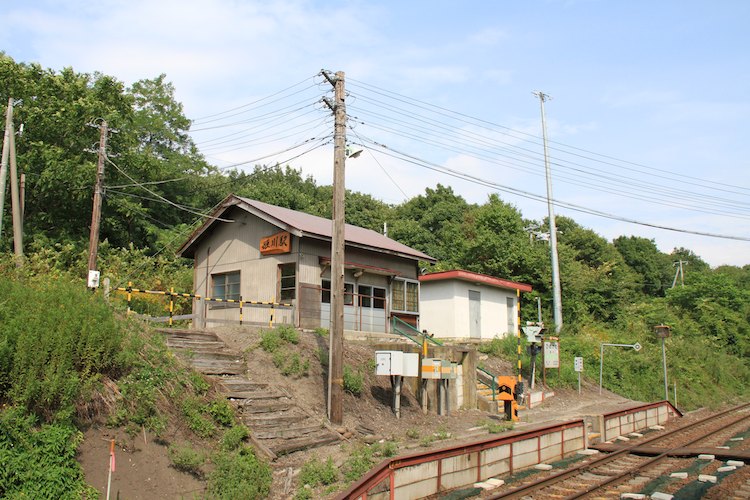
(557, 316)
(679, 272)
(15, 200)
(5, 155)
(96, 213)
(336, 336)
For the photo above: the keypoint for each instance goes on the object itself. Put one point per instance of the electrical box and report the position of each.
(397, 363)
(534, 332)
(432, 368)
(411, 364)
(448, 370)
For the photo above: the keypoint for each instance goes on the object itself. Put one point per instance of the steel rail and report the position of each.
(561, 476)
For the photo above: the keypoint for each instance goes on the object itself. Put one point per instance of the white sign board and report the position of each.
(551, 355)
(578, 364)
(532, 333)
(93, 279)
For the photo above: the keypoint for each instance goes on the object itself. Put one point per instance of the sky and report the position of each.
(646, 121)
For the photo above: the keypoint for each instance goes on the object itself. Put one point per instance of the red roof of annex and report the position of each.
(460, 274)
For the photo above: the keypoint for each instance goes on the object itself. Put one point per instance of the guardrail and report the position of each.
(623, 422)
(428, 473)
(404, 329)
(171, 294)
(493, 382)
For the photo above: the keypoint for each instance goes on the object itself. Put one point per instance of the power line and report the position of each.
(526, 194)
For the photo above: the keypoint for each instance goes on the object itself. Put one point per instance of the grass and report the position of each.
(186, 459)
(354, 381)
(239, 474)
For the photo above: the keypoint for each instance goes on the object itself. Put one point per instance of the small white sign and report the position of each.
(93, 279)
(551, 355)
(578, 364)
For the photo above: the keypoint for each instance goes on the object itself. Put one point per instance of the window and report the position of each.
(365, 295)
(405, 295)
(378, 301)
(325, 296)
(287, 281)
(348, 294)
(226, 286)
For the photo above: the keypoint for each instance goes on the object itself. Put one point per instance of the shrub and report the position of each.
(270, 340)
(359, 462)
(321, 332)
(315, 473)
(288, 334)
(233, 437)
(221, 411)
(323, 356)
(198, 423)
(39, 462)
(354, 382)
(239, 474)
(184, 458)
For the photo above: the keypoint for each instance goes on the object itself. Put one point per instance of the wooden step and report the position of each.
(267, 407)
(255, 395)
(266, 421)
(291, 445)
(288, 432)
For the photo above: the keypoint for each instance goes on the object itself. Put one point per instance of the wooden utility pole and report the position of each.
(15, 200)
(336, 352)
(6, 153)
(96, 213)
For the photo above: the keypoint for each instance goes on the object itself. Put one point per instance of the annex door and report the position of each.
(475, 315)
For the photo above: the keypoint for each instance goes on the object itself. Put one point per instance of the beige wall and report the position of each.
(234, 246)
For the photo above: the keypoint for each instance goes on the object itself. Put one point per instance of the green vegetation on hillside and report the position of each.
(612, 291)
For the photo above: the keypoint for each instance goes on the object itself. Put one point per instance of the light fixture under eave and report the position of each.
(358, 273)
(355, 154)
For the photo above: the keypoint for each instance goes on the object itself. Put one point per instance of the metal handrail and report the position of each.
(396, 322)
(494, 384)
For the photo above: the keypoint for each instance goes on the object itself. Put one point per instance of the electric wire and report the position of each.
(528, 195)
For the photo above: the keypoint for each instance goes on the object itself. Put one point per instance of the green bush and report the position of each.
(315, 473)
(192, 409)
(354, 382)
(360, 461)
(184, 458)
(234, 437)
(221, 411)
(39, 462)
(239, 475)
(321, 332)
(270, 340)
(56, 341)
(288, 334)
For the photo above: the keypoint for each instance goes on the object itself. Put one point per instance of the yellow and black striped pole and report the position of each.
(171, 305)
(241, 304)
(270, 323)
(130, 294)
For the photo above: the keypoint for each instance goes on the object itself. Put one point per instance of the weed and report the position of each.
(315, 473)
(233, 437)
(321, 332)
(270, 340)
(239, 474)
(304, 493)
(354, 382)
(184, 458)
(498, 427)
(359, 462)
(385, 449)
(198, 423)
(288, 334)
(221, 411)
(323, 356)
(199, 383)
(412, 433)
(442, 433)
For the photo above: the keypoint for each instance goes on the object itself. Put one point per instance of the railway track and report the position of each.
(643, 461)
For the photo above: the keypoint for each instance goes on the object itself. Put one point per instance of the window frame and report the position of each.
(403, 300)
(284, 290)
(225, 285)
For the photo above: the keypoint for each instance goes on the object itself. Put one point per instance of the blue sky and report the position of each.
(654, 93)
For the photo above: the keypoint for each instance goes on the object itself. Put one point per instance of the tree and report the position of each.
(653, 267)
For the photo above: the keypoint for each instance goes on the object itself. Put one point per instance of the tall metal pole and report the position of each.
(5, 155)
(336, 353)
(96, 213)
(557, 316)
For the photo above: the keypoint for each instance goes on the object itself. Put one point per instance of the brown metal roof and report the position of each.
(303, 224)
(460, 274)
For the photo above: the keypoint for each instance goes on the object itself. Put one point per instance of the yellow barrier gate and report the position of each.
(129, 290)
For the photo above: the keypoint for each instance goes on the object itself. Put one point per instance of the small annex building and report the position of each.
(462, 304)
(256, 252)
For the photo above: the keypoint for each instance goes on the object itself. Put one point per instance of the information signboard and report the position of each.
(551, 355)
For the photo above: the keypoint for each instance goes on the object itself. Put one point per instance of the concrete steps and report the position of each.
(277, 425)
